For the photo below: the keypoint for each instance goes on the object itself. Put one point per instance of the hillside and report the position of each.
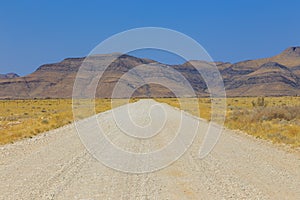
(275, 76)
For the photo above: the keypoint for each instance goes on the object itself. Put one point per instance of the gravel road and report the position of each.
(56, 165)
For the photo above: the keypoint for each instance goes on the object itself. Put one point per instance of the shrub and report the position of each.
(45, 121)
(260, 102)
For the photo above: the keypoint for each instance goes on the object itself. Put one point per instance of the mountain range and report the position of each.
(274, 76)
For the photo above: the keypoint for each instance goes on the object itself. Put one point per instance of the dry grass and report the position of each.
(26, 118)
(276, 119)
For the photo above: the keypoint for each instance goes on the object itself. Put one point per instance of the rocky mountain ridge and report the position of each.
(275, 76)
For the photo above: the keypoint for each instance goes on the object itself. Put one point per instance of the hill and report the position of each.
(8, 75)
(275, 76)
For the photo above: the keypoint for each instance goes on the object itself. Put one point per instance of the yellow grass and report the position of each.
(26, 118)
(277, 121)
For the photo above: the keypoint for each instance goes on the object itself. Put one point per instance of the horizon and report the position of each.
(150, 99)
(37, 33)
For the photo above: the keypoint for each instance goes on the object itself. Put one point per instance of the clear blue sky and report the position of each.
(37, 32)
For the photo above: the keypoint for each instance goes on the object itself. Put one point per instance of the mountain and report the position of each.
(270, 79)
(275, 76)
(8, 75)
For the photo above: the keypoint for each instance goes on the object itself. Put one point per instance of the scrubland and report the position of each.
(26, 118)
(271, 118)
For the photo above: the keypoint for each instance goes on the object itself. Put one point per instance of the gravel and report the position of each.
(56, 165)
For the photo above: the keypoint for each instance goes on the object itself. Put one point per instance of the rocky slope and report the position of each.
(274, 76)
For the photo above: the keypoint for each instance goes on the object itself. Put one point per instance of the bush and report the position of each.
(287, 113)
(260, 102)
(45, 121)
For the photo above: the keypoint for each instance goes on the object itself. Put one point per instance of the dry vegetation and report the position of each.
(26, 118)
(273, 118)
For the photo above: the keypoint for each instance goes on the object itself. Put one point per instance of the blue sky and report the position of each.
(38, 32)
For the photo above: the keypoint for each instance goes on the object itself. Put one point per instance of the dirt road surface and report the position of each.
(56, 165)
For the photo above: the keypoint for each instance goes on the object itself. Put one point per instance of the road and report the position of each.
(56, 165)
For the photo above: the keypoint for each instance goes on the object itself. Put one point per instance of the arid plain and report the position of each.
(276, 119)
